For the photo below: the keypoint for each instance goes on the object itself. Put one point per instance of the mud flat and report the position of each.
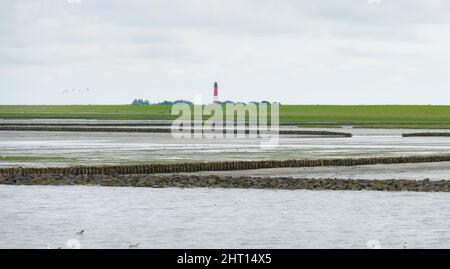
(63, 149)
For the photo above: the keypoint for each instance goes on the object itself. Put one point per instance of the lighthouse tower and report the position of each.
(216, 92)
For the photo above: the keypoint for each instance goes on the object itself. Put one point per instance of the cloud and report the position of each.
(265, 49)
(399, 78)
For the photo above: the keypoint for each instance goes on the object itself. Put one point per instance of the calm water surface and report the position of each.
(47, 216)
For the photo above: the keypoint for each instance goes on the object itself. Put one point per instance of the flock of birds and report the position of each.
(76, 243)
(79, 90)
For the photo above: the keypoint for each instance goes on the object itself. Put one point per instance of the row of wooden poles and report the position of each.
(155, 130)
(219, 166)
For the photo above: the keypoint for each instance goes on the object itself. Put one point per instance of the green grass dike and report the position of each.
(358, 116)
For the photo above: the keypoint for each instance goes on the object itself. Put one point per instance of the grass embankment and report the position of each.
(381, 116)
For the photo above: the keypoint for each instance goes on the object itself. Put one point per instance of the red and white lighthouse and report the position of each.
(216, 92)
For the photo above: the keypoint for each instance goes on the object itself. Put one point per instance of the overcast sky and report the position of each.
(291, 51)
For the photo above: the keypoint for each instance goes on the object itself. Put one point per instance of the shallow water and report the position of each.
(113, 148)
(48, 216)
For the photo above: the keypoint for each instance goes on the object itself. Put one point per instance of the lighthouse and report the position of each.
(216, 93)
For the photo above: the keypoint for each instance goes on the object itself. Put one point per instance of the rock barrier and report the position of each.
(192, 181)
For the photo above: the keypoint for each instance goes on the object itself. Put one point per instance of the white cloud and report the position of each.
(409, 69)
(399, 78)
(290, 51)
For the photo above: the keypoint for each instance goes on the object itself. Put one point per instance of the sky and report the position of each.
(290, 51)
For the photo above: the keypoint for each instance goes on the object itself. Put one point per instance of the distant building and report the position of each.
(216, 93)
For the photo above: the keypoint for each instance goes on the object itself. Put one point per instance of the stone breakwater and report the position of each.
(150, 130)
(218, 166)
(191, 181)
(441, 134)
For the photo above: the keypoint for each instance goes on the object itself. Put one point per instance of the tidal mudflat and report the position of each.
(64, 149)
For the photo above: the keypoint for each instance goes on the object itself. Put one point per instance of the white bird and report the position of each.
(405, 245)
(73, 244)
(373, 244)
(133, 246)
(81, 233)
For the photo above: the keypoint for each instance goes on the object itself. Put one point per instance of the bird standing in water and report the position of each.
(133, 246)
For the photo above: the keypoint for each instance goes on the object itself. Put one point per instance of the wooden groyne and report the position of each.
(192, 181)
(219, 166)
(151, 130)
(427, 134)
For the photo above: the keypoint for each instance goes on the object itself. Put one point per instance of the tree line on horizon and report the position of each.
(142, 102)
(146, 102)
